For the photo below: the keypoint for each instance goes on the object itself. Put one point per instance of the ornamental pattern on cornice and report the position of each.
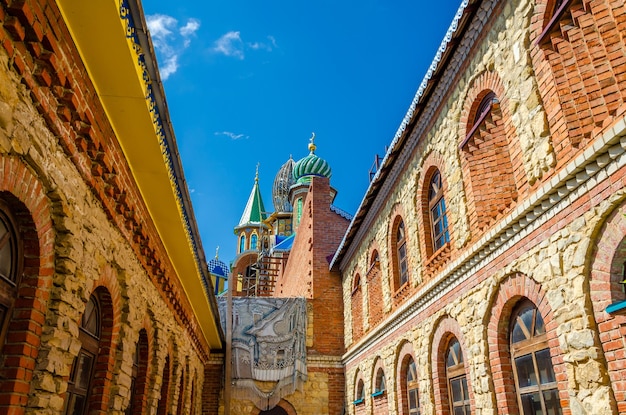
(596, 163)
(166, 151)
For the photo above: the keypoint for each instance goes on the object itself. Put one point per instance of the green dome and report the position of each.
(310, 166)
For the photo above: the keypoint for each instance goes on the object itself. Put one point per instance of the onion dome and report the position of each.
(282, 182)
(310, 166)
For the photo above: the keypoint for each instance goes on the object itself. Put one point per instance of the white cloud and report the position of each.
(268, 46)
(230, 44)
(190, 28)
(169, 40)
(231, 135)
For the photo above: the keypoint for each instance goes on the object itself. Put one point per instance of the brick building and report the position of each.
(484, 270)
(482, 273)
(105, 299)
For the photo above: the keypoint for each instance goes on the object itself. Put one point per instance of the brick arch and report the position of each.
(579, 40)
(167, 378)
(26, 197)
(510, 292)
(374, 281)
(108, 289)
(356, 306)
(380, 404)
(404, 352)
(282, 404)
(446, 329)
(147, 370)
(358, 378)
(480, 86)
(606, 271)
(432, 261)
(492, 175)
(397, 215)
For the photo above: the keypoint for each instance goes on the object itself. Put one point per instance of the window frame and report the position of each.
(9, 283)
(456, 373)
(530, 346)
(380, 384)
(90, 341)
(437, 200)
(412, 387)
(401, 254)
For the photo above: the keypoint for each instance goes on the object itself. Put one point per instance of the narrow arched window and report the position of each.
(181, 394)
(253, 241)
(165, 388)
(403, 268)
(10, 268)
(537, 391)
(81, 375)
(437, 207)
(360, 392)
(380, 386)
(457, 380)
(139, 375)
(411, 393)
(242, 243)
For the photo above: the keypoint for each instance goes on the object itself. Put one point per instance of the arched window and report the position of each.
(139, 375)
(532, 366)
(181, 394)
(165, 388)
(379, 387)
(242, 243)
(81, 376)
(253, 241)
(357, 308)
(457, 381)
(359, 396)
(438, 217)
(403, 268)
(411, 393)
(10, 268)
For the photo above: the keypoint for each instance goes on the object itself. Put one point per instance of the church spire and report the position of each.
(254, 213)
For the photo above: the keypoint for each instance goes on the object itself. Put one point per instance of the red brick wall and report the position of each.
(25, 197)
(375, 295)
(581, 70)
(490, 159)
(307, 272)
(606, 275)
(357, 309)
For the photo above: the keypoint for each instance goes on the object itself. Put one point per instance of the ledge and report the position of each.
(618, 308)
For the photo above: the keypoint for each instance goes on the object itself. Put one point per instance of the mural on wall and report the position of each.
(268, 348)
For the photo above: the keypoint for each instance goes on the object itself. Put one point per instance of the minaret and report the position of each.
(251, 227)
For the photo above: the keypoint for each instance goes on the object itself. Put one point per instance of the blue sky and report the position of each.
(247, 82)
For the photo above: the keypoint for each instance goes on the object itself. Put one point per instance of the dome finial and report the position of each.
(256, 176)
(312, 146)
(217, 252)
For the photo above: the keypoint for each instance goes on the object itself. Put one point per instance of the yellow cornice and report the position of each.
(123, 72)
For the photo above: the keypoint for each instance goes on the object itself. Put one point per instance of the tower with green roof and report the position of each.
(251, 225)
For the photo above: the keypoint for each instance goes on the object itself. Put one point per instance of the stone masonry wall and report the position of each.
(538, 247)
(81, 246)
